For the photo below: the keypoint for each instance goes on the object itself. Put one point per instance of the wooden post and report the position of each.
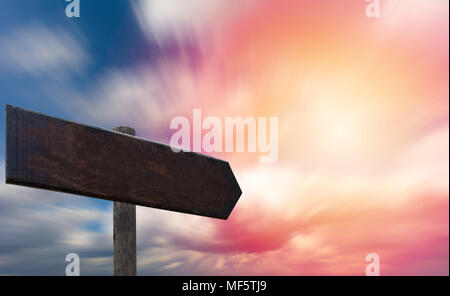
(124, 230)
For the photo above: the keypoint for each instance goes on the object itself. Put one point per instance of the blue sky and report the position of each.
(107, 68)
(108, 35)
(46, 60)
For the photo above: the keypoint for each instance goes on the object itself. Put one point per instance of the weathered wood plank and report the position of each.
(50, 153)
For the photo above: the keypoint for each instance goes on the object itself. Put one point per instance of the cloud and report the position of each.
(310, 230)
(144, 97)
(39, 50)
(164, 19)
(287, 222)
(40, 227)
(363, 166)
(121, 97)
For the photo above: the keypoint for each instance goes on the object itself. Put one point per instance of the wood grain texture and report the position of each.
(124, 230)
(55, 154)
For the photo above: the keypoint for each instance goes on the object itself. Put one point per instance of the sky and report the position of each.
(363, 131)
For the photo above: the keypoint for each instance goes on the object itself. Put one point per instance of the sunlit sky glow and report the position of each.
(363, 108)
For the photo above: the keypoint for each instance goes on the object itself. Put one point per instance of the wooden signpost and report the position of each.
(50, 153)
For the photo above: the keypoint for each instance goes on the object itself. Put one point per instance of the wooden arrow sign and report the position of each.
(55, 154)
